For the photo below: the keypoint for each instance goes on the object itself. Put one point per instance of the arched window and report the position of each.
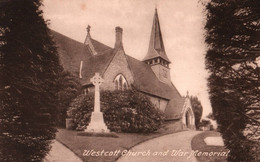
(120, 82)
(116, 84)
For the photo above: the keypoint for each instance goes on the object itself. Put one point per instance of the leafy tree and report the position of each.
(197, 109)
(232, 35)
(204, 123)
(69, 89)
(211, 116)
(29, 70)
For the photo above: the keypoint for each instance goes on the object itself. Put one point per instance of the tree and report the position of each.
(69, 89)
(232, 35)
(29, 69)
(205, 123)
(197, 109)
(211, 116)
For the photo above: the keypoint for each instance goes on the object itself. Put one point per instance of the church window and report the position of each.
(125, 86)
(85, 91)
(120, 82)
(116, 84)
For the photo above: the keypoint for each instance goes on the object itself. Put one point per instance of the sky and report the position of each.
(181, 24)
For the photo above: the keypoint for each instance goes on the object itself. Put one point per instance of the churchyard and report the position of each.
(94, 135)
(93, 141)
(125, 141)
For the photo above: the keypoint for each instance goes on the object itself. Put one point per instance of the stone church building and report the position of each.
(120, 71)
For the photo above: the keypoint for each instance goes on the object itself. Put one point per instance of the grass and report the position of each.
(198, 143)
(93, 134)
(125, 141)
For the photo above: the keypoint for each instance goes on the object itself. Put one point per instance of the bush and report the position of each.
(69, 88)
(127, 111)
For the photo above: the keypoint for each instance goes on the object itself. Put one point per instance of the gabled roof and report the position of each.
(156, 46)
(96, 64)
(72, 53)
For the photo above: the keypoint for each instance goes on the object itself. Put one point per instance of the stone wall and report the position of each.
(117, 66)
(158, 102)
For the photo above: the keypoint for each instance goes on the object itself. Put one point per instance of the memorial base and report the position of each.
(97, 123)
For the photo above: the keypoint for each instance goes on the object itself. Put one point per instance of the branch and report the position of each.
(250, 117)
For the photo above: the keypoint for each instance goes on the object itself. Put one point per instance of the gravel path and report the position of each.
(60, 153)
(169, 148)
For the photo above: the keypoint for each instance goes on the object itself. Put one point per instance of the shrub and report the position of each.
(127, 111)
(69, 88)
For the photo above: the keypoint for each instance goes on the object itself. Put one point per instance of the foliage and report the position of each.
(233, 59)
(127, 111)
(211, 116)
(69, 89)
(29, 69)
(197, 109)
(80, 110)
(204, 123)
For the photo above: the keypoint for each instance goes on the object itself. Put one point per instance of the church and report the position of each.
(120, 71)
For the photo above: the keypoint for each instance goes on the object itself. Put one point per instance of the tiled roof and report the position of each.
(146, 81)
(73, 52)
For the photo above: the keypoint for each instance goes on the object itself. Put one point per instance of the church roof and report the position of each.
(72, 53)
(156, 46)
(146, 81)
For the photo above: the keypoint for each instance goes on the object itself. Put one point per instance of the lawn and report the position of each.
(198, 143)
(125, 141)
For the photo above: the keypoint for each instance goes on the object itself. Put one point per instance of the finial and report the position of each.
(88, 28)
(187, 94)
(155, 4)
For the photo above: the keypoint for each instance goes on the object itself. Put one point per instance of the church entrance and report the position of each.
(188, 119)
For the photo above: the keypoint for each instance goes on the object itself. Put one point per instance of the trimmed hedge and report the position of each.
(124, 111)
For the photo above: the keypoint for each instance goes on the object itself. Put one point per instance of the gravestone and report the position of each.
(97, 123)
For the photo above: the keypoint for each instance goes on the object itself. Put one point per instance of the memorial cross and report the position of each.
(97, 81)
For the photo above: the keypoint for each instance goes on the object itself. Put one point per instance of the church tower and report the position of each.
(156, 56)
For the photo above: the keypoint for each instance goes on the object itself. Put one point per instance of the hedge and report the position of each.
(124, 111)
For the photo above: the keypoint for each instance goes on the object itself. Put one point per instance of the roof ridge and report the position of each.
(66, 36)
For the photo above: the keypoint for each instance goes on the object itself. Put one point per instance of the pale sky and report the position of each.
(181, 24)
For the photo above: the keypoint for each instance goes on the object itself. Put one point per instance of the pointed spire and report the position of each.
(156, 46)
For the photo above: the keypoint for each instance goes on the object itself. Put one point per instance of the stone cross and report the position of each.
(97, 81)
(97, 123)
(88, 28)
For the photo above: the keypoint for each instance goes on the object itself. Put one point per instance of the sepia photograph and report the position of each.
(129, 80)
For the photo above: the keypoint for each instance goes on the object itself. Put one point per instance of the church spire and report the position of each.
(156, 46)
